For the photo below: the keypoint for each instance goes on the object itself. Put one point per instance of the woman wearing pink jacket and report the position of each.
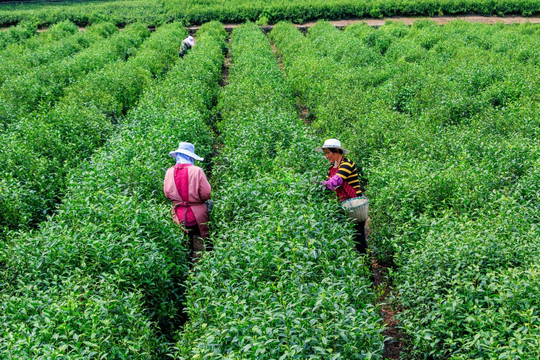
(187, 187)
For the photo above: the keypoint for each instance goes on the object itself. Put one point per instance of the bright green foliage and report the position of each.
(55, 44)
(283, 280)
(444, 120)
(43, 86)
(17, 34)
(39, 151)
(79, 317)
(103, 278)
(124, 12)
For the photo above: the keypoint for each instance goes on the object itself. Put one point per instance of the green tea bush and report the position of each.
(80, 317)
(55, 44)
(441, 177)
(43, 86)
(312, 70)
(474, 286)
(41, 150)
(103, 277)
(449, 135)
(378, 40)
(17, 34)
(16, 205)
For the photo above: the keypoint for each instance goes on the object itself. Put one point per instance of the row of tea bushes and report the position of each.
(17, 34)
(373, 84)
(283, 280)
(119, 12)
(103, 278)
(124, 12)
(63, 39)
(41, 87)
(39, 151)
(330, 82)
(399, 98)
(467, 242)
(447, 120)
(470, 286)
(299, 11)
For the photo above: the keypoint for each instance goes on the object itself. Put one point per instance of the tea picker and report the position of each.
(187, 44)
(344, 180)
(187, 187)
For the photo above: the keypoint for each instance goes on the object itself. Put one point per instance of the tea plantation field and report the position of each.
(443, 120)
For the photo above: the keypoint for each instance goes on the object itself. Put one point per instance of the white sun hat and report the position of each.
(332, 143)
(190, 40)
(186, 149)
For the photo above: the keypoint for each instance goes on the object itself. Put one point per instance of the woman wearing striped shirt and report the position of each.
(343, 179)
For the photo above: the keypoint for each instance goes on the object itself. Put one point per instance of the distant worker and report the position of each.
(187, 187)
(344, 180)
(187, 44)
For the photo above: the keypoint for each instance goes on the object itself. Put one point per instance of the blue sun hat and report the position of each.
(185, 148)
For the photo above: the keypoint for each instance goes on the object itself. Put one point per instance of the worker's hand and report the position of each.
(333, 183)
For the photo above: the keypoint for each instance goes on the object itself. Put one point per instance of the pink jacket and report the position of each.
(198, 192)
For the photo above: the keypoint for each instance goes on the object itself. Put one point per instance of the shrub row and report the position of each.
(41, 87)
(39, 151)
(103, 278)
(17, 34)
(283, 280)
(272, 11)
(83, 13)
(446, 118)
(62, 40)
(319, 73)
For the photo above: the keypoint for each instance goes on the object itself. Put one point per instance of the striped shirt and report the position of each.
(348, 172)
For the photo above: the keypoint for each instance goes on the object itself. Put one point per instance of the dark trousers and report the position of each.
(193, 230)
(195, 240)
(360, 237)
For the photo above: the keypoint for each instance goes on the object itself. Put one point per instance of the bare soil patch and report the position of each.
(383, 288)
(225, 71)
(276, 52)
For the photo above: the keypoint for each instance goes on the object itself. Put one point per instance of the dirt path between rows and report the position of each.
(383, 287)
(407, 20)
